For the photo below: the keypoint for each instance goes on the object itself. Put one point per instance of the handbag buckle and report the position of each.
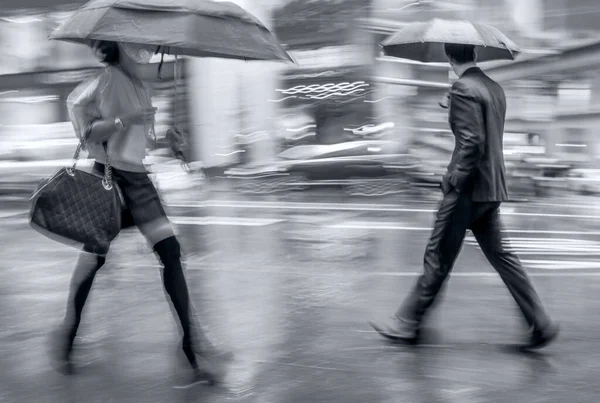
(106, 184)
(70, 171)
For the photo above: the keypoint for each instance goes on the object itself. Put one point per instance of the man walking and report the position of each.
(474, 187)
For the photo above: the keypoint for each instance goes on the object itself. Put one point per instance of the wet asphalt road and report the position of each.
(288, 284)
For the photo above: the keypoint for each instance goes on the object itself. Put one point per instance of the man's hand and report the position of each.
(445, 101)
(445, 185)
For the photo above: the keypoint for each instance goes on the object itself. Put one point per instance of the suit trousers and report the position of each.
(458, 213)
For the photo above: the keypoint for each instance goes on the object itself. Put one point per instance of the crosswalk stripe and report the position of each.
(226, 221)
(560, 265)
(402, 227)
(282, 205)
(548, 246)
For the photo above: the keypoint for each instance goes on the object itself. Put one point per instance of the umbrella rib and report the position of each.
(100, 19)
(96, 23)
(249, 18)
(93, 7)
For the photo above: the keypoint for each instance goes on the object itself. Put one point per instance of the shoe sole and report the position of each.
(553, 336)
(62, 368)
(394, 338)
(214, 370)
(207, 381)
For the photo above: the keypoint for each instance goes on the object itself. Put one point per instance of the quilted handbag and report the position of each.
(76, 207)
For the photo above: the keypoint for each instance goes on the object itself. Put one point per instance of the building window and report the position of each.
(576, 141)
(574, 96)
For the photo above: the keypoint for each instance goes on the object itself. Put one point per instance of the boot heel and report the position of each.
(59, 349)
(190, 354)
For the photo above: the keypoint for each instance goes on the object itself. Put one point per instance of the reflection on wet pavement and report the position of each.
(292, 299)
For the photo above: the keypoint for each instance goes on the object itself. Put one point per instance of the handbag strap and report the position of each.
(107, 181)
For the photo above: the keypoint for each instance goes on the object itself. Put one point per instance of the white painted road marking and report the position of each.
(263, 222)
(228, 221)
(560, 265)
(296, 206)
(548, 246)
(400, 227)
(505, 210)
(336, 273)
(373, 225)
(11, 214)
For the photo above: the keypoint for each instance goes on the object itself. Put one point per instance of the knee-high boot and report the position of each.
(81, 284)
(203, 357)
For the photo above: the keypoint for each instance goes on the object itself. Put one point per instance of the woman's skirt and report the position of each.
(142, 202)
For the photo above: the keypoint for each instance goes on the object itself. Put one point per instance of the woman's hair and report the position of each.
(108, 52)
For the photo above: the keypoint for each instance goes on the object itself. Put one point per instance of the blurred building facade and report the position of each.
(555, 95)
(341, 89)
(330, 87)
(37, 75)
(552, 89)
(408, 93)
(232, 120)
(248, 112)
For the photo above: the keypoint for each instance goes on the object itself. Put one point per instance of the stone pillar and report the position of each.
(595, 87)
(213, 111)
(392, 101)
(259, 82)
(221, 91)
(595, 106)
(553, 132)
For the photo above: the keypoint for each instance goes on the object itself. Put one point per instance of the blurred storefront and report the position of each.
(408, 93)
(327, 97)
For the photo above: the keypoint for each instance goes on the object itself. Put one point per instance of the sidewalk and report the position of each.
(296, 318)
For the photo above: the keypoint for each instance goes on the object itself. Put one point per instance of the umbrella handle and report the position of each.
(176, 79)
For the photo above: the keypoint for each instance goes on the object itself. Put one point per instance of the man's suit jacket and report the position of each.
(476, 116)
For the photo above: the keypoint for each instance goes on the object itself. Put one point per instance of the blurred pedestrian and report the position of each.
(113, 112)
(473, 189)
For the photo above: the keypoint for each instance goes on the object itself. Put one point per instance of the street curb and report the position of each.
(16, 216)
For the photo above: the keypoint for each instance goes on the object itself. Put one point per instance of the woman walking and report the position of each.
(113, 113)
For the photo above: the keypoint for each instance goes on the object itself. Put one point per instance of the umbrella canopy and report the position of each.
(200, 28)
(424, 41)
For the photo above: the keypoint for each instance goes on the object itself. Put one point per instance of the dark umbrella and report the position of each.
(200, 28)
(424, 41)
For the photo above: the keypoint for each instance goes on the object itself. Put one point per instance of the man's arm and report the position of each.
(466, 115)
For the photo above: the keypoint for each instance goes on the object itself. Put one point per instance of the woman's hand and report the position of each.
(140, 117)
(102, 130)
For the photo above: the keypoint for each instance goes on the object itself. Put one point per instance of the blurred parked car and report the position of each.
(537, 177)
(368, 166)
(584, 181)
